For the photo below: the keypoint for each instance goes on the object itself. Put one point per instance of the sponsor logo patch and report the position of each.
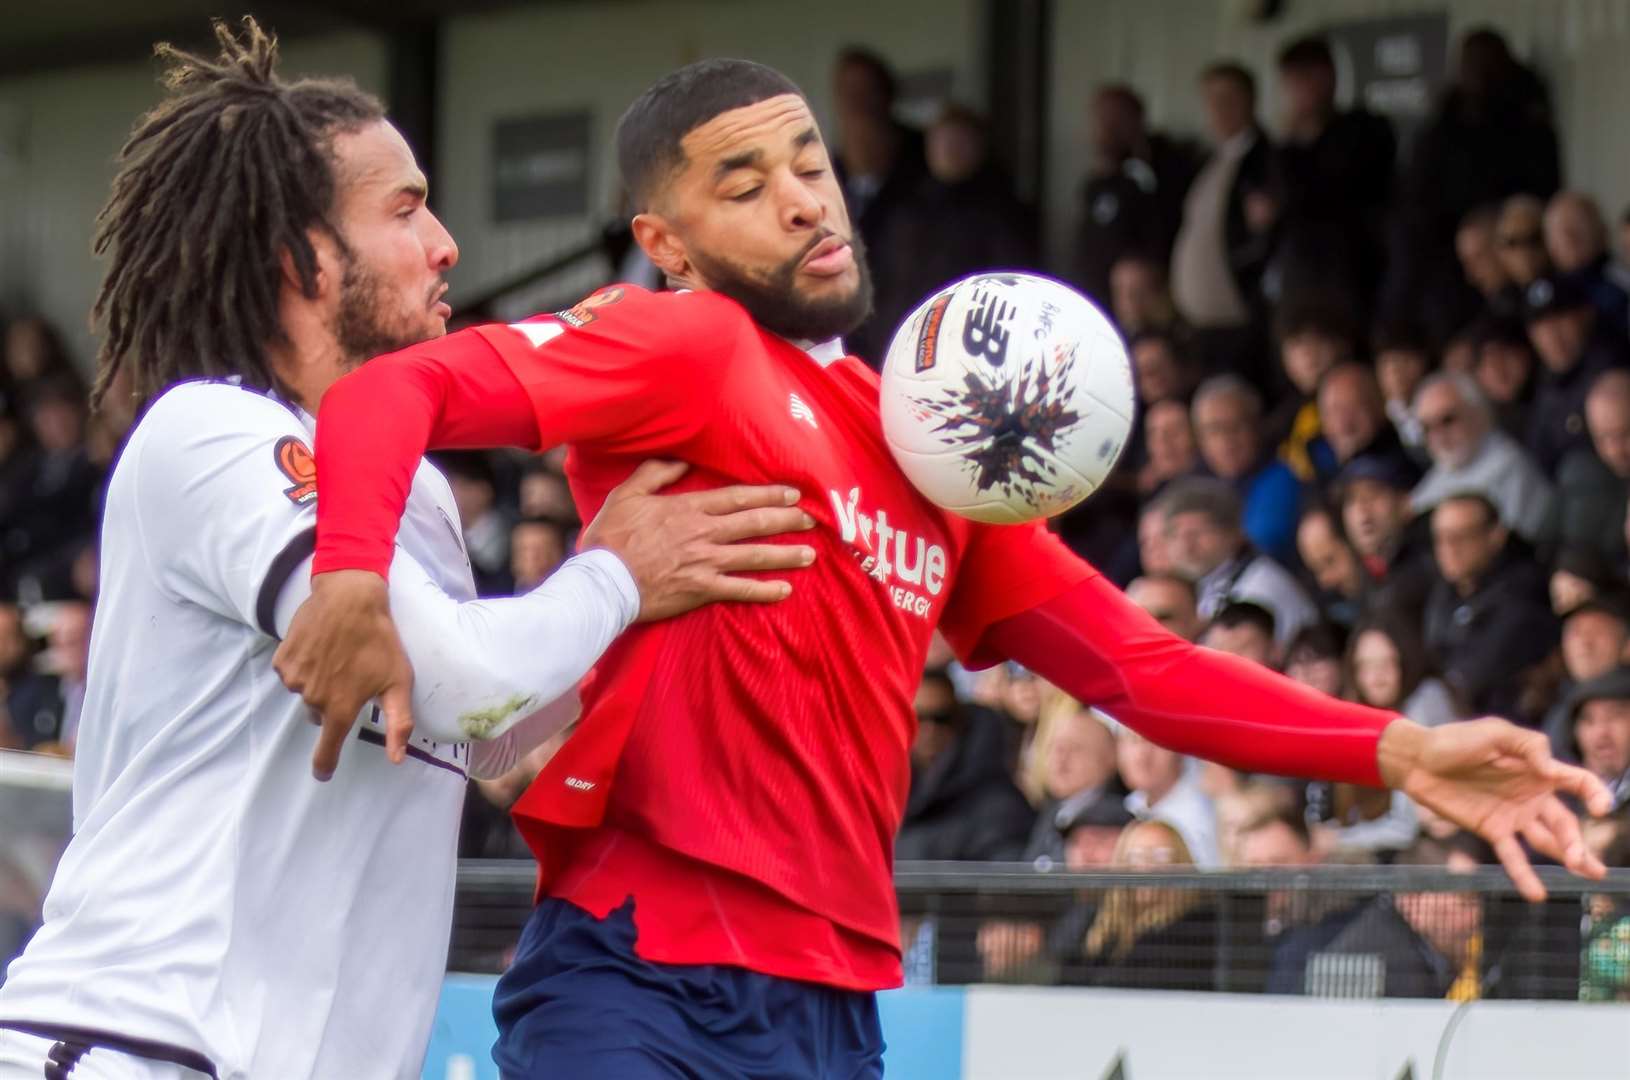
(294, 461)
(584, 311)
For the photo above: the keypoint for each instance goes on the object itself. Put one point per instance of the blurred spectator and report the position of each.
(1373, 494)
(1079, 767)
(1402, 360)
(1245, 630)
(1163, 371)
(1576, 240)
(1314, 658)
(1387, 668)
(1353, 417)
(1315, 333)
(1575, 348)
(1334, 173)
(1334, 565)
(1163, 789)
(1488, 619)
(544, 494)
(1594, 481)
(1470, 454)
(881, 165)
(963, 803)
(963, 218)
(1599, 733)
(536, 547)
(1228, 428)
(1605, 958)
(1150, 938)
(1579, 574)
(1521, 232)
(1132, 201)
(34, 354)
(1477, 246)
(58, 490)
(1141, 300)
(67, 660)
(1503, 366)
(1154, 551)
(1595, 633)
(1208, 546)
(486, 526)
(32, 701)
(1223, 244)
(1169, 600)
(1489, 137)
(1168, 445)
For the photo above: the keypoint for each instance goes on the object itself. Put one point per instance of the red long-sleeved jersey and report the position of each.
(741, 770)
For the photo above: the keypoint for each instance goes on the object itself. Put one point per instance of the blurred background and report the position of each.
(1370, 259)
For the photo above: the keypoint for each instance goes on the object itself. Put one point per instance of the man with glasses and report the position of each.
(1521, 235)
(1470, 454)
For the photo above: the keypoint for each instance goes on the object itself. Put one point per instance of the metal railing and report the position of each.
(1338, 931)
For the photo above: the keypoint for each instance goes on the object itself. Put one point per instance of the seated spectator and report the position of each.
(34, 355)
(1373, 494)
(58, 492)
(1314, 334)
(1579, 574)
(1402, 360)
(1141, 303)
(1164, 789)
(1168, 446)
(30, 699)
(1477, 246)
(1227, 414)
(1154, 552)
(1488, 618)
(1150, 938)
(1470, 454)
(1575, 347)
(1521, 231)
(963, 803)
(1326, 554)
(1353, 416)
(1245, 630)
(1169, 600)
(536, 547)
(486, 525)
(1595, 639)
(1576, 240)
(1162, 369)
(1594, 480)
(1208, 546)
(1605, 958)
(1503, 365)
(544, 494)
(1314, 658)
(1386, 667)
(1078, 769)
(1599, 730)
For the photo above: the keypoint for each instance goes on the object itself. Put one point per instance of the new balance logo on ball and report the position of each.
(799, 411)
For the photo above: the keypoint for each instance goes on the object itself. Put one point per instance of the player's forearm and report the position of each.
(376, 424)
(1101, 649)
(485, 669)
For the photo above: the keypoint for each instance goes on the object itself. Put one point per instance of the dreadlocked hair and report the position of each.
(214, 187)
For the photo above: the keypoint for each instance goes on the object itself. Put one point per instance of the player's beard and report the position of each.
(773, 299)
(362, 326)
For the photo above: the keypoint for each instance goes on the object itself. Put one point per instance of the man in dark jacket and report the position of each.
(963, 804)
(1372, 494)
(1132, 201)
(1334, 178)
(1575, 348)
(1489, 617)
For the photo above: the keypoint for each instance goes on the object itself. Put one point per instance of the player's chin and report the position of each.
(830, 287)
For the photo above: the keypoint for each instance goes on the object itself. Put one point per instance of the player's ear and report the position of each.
(327, 255)
(661, 245)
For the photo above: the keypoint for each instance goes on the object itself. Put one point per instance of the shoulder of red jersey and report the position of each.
(658, 313)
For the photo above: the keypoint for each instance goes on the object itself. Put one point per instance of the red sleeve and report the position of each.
(1006, 569)
(377, 422)
(1099, 647)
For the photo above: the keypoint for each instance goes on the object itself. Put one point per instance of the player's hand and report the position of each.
(687, 550)
(342, 650)
(1501, 782)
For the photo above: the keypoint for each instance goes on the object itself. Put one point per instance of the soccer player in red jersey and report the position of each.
(715, 841)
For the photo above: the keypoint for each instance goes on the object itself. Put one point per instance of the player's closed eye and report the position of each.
(745, 196)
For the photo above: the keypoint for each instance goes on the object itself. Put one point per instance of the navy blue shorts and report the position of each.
(578, 1003)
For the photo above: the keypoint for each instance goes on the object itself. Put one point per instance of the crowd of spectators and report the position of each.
(1383, 446)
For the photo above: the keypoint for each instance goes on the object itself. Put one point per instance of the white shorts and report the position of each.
(29, 1057)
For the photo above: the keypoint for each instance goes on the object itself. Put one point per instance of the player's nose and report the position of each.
(440, 246)
(801, 208)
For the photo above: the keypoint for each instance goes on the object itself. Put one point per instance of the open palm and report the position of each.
(1501, 782)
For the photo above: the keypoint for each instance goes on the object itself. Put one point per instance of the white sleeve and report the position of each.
(225, 495)
(500, 672)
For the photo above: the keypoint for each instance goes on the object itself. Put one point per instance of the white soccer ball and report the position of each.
(1007, 397)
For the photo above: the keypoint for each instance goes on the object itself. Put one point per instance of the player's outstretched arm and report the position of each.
(680, 552)
(1488, 776)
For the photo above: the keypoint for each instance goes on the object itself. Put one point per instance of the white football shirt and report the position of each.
(215, 897)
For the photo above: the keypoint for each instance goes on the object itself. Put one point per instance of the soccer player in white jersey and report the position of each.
(219, 912)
